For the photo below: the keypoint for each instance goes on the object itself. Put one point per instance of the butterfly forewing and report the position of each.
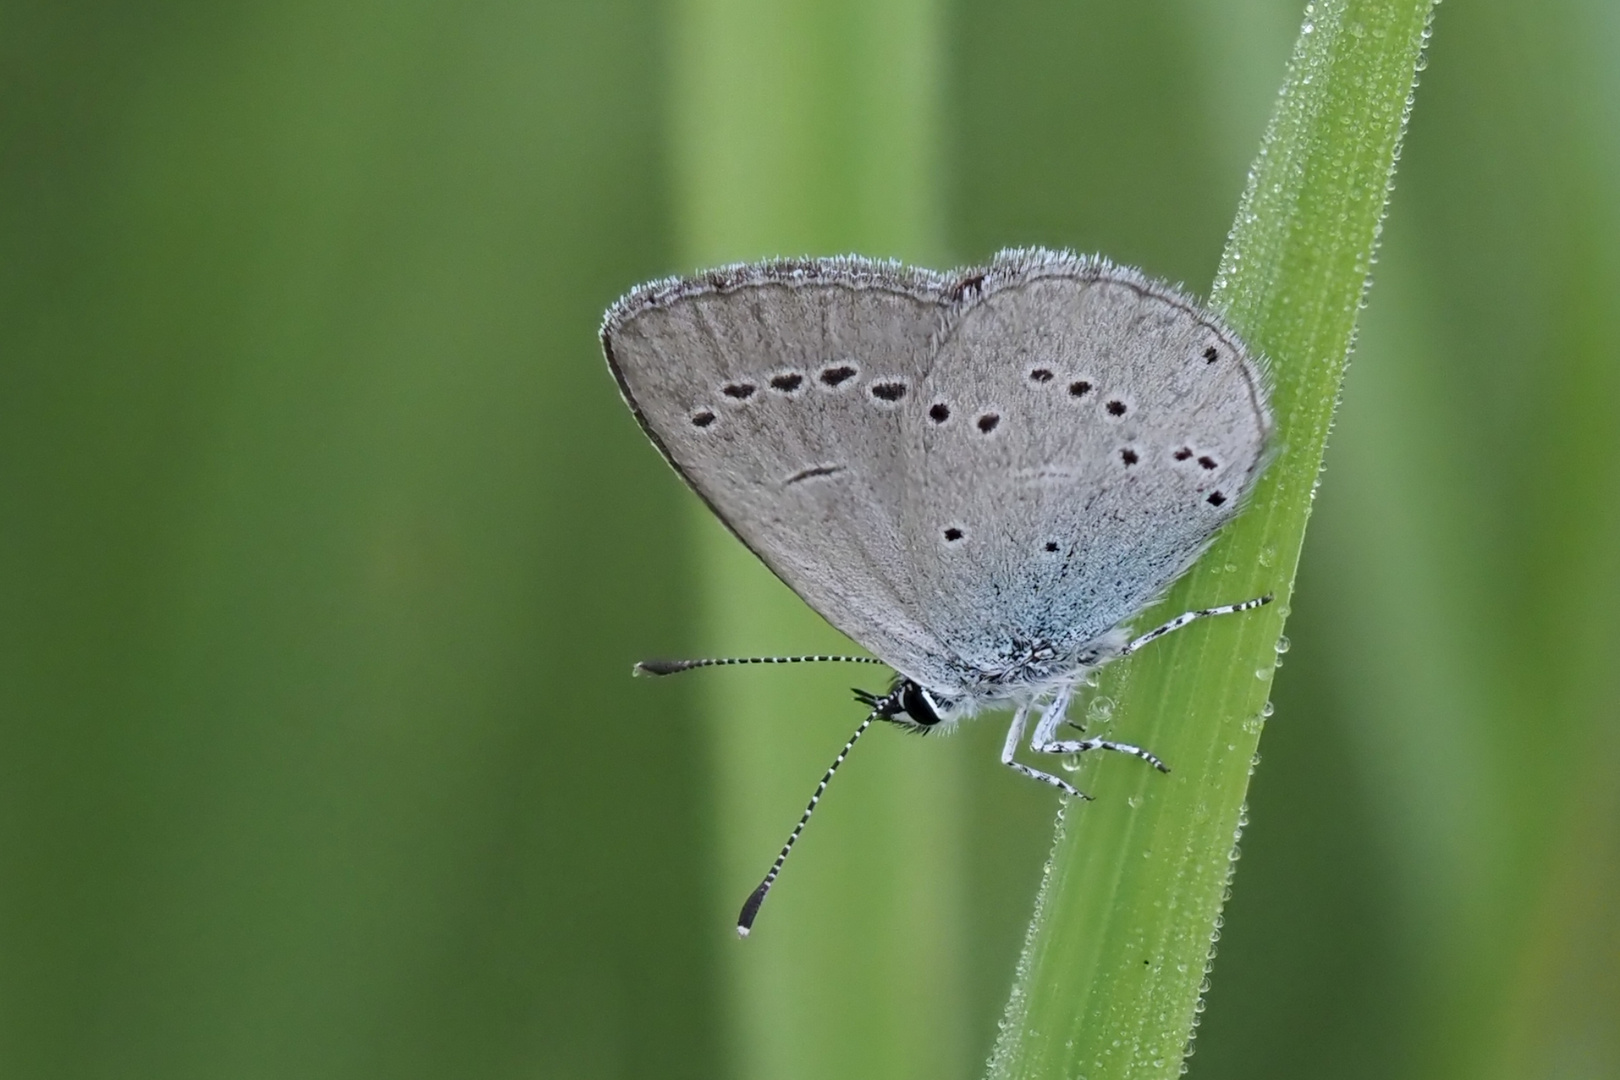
(780, 393)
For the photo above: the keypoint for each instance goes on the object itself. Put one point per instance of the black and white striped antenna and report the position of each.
(670, 667)
(750, 908)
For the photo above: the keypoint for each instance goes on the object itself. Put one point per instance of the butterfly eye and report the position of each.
(920, 705)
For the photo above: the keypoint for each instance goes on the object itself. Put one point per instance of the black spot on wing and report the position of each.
(814, 472)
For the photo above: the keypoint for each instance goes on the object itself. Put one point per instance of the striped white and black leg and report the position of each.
(1193, 616)
(1015, 735)
(1045, 742)
(1051, 717)
(1080, 746)
(750, 908)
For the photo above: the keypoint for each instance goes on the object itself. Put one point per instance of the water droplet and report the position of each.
(1100, 710)
(1267, 709)
(1261, 673)
(1283, 644)
(1306, 29)
(1070, 763)
(1268, 555)
(1134, 801)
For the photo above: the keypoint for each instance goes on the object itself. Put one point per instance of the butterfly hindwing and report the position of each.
(1098, 429)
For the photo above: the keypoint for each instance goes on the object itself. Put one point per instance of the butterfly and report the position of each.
(980, 476)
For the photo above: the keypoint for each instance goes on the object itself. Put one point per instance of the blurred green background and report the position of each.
(326, 544)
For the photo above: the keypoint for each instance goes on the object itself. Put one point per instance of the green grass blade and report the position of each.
(809, 127)
(1115, 963)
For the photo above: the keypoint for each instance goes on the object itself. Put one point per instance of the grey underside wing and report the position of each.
(973, 475)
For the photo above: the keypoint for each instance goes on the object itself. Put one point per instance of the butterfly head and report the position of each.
(909, 705)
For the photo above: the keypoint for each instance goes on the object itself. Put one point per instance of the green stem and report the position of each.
(1115, 963)
(808, 127)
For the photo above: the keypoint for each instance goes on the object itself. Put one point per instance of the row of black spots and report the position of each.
(1204, 460)
(939, 412)
(790, 382)
(1040, 376)
(1130, 456)
(1079, 389)
(954, 534)
(787, 382)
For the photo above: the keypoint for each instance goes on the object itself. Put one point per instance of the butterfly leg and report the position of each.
(1192, 616)
(1015, 735)
(1051, 717)
(1043, 742)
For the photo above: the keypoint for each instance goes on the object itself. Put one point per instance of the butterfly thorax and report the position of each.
(1026, 672)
